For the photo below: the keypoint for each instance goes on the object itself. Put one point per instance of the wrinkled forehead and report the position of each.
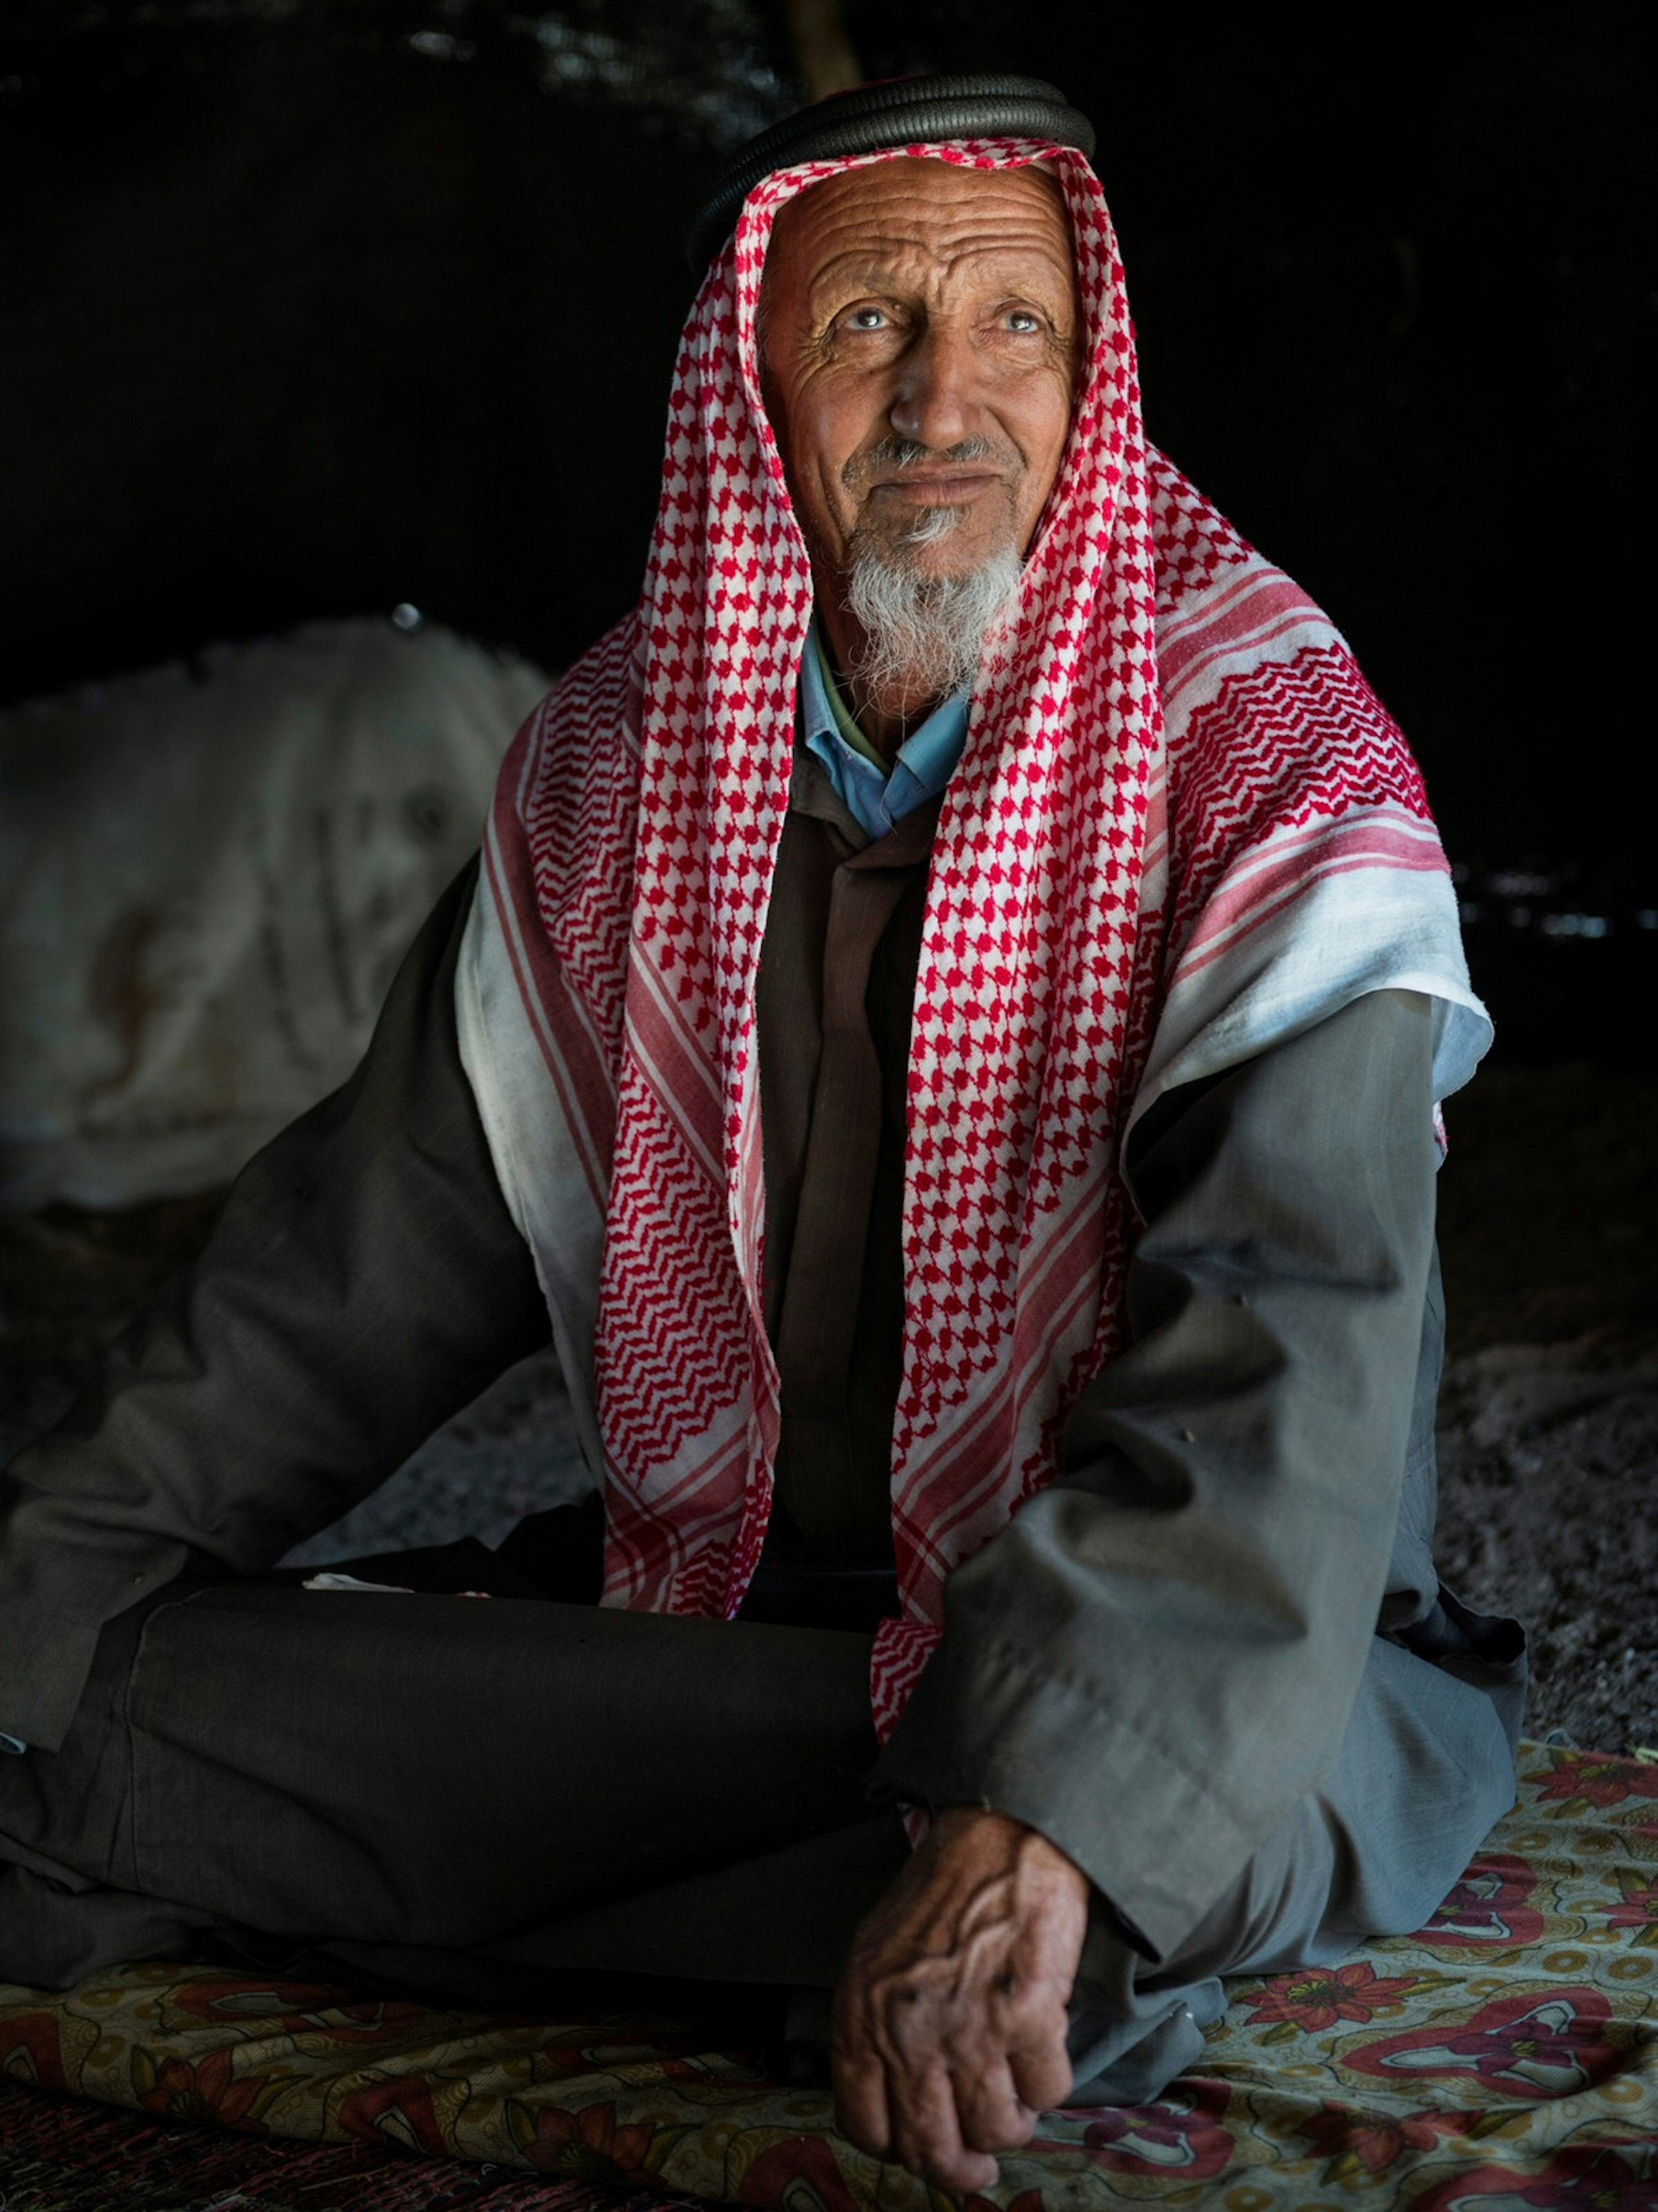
(920, 213)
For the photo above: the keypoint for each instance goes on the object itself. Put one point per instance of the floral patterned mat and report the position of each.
(1504, 2058)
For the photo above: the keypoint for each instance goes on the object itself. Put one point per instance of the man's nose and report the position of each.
(936, 399)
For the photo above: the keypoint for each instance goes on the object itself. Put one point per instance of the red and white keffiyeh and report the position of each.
(1182, 827)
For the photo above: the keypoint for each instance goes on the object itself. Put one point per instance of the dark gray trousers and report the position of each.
(466, 1795)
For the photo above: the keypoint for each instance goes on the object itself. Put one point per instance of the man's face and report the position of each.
(922, 338)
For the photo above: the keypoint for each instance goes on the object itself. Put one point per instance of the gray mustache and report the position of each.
(896, 452)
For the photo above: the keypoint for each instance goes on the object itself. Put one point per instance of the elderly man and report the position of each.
(946, 1033)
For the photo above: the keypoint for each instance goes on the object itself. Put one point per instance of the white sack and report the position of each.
(208, 875)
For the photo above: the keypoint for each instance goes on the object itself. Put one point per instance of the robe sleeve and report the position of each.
(363, 1282)
(1159, 1654)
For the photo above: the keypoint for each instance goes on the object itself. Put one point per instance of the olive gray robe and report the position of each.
(1213, 1663)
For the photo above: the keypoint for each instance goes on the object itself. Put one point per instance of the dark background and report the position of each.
(312, 309)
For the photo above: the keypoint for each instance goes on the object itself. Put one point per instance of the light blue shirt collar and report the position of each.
(926, 760)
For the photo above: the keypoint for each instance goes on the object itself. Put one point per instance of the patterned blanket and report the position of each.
(1503, 2058)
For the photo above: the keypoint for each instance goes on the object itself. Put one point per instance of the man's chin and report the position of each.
(959, 552)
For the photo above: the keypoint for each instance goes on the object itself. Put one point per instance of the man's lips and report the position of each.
(938, 487)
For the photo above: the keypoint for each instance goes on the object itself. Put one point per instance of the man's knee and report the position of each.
(1424, 1769)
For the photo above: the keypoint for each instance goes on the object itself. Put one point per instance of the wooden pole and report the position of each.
(823, 53)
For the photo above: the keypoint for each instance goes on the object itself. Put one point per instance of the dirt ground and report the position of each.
(1549, 1429)
(1549, 1415)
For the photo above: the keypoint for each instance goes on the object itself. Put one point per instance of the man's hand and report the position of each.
(950, 2018)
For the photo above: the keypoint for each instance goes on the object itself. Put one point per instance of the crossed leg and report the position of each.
(468, 1794)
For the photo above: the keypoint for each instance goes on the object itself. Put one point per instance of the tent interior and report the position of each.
(337, 334)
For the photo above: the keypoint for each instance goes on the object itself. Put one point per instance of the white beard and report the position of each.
(922, 635)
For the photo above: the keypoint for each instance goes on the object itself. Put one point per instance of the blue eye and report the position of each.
(1022, 319)
(867, 318)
